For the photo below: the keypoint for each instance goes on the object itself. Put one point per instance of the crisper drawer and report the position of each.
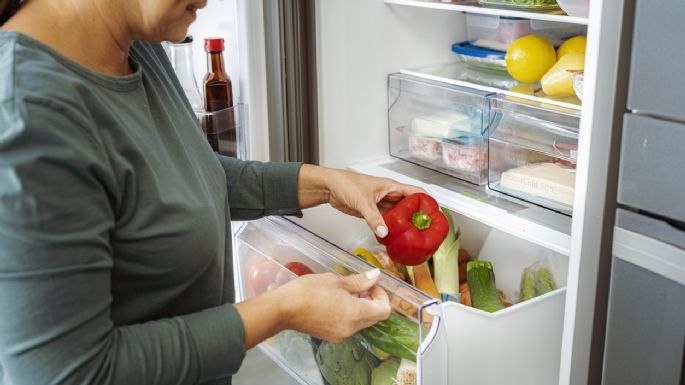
(656, 73)
(652, 172)
(519, 345)
(439, 126)
(533, 151)
(645, 338)
(266, 251)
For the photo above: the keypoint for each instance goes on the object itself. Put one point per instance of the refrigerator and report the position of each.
(383, 64)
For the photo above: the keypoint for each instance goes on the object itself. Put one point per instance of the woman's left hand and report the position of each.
(360, 195)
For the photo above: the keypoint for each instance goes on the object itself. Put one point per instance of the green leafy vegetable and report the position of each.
(385, 373)
(446, 262)
(346, 363)
(396, 336)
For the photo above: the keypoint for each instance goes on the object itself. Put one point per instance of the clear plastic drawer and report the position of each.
(267, 248)
(439, 126)
(533, 152)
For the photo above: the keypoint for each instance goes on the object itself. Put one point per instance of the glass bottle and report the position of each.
(181, 56)
(219, 127)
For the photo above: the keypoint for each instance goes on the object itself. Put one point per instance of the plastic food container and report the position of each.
(429, 149)
(439, 126)
(533, 151)
(507, 29)
(528, 5)
(578, 8)
(480, 57)
(264, 251)
(468, 155)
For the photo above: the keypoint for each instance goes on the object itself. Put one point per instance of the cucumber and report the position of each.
(481, 280)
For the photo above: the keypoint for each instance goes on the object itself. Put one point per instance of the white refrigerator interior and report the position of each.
(360, 43)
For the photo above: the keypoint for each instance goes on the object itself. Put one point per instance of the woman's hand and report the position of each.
(325, 306)
(352, 193)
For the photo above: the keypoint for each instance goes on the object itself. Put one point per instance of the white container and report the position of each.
(578, 8)
(507, 29)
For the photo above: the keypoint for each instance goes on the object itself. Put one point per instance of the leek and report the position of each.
(446, 263)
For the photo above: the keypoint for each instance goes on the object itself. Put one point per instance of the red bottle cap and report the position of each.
(214, 44)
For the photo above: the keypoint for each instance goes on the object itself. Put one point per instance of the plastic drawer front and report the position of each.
(652, 168)
(657, 79)
(264, 249)
(645, 327)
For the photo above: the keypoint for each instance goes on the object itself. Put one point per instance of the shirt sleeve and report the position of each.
(56, 218)
(257, 189)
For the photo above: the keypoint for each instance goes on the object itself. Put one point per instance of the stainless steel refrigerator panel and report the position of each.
(652, 170)
(657, 81)
(645, 335)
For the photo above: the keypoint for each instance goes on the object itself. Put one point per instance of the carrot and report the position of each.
(464, 256)
(423, 280)
(462, 272)
(465, 294)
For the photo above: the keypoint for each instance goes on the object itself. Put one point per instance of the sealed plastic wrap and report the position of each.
(439, 126)
(524, 5)
(226, 130)
(263, 250)
(533, 152)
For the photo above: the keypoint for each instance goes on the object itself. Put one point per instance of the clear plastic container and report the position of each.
(264, 250)
(226, 130)
(528, 5)
(479, 57)
(578, 8)
(507, 29)
(434, 124)
(533, 152)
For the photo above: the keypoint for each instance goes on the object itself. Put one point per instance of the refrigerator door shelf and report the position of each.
(226, 130)
(264, 249)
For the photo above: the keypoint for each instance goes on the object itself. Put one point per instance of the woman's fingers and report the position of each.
(358, 283)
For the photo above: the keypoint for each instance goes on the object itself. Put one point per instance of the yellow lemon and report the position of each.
(530, 57)
(574, 44)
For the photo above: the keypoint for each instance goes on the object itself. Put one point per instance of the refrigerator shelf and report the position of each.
(524, 220)
(473, 7)
(464, 75)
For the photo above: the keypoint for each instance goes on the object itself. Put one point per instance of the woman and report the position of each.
(115, 261)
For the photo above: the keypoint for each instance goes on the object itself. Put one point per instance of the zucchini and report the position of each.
(481, 280)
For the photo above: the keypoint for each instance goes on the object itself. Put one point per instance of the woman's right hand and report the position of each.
(331, 307)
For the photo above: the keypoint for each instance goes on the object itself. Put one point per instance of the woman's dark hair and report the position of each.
(7, 9)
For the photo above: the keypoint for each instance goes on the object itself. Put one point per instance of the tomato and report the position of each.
(298, 268)
(261, 275)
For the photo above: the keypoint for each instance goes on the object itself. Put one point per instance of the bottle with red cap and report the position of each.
(219, 127)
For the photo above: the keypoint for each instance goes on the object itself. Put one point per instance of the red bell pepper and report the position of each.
(416, 228)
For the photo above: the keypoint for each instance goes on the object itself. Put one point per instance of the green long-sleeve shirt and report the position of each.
(115, 241)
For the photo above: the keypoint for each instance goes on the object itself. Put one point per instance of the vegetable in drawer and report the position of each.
(481, 281)
(396, 336)
(346, 363)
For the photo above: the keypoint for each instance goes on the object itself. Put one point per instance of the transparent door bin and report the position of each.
(439, 126)
(226, 130)
(533, 152)
(264, 249)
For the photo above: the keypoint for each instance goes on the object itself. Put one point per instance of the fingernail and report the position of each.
(372, 274)
(382, 231)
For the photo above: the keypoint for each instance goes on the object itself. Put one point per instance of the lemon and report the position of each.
(574, 44)
(530, 57)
